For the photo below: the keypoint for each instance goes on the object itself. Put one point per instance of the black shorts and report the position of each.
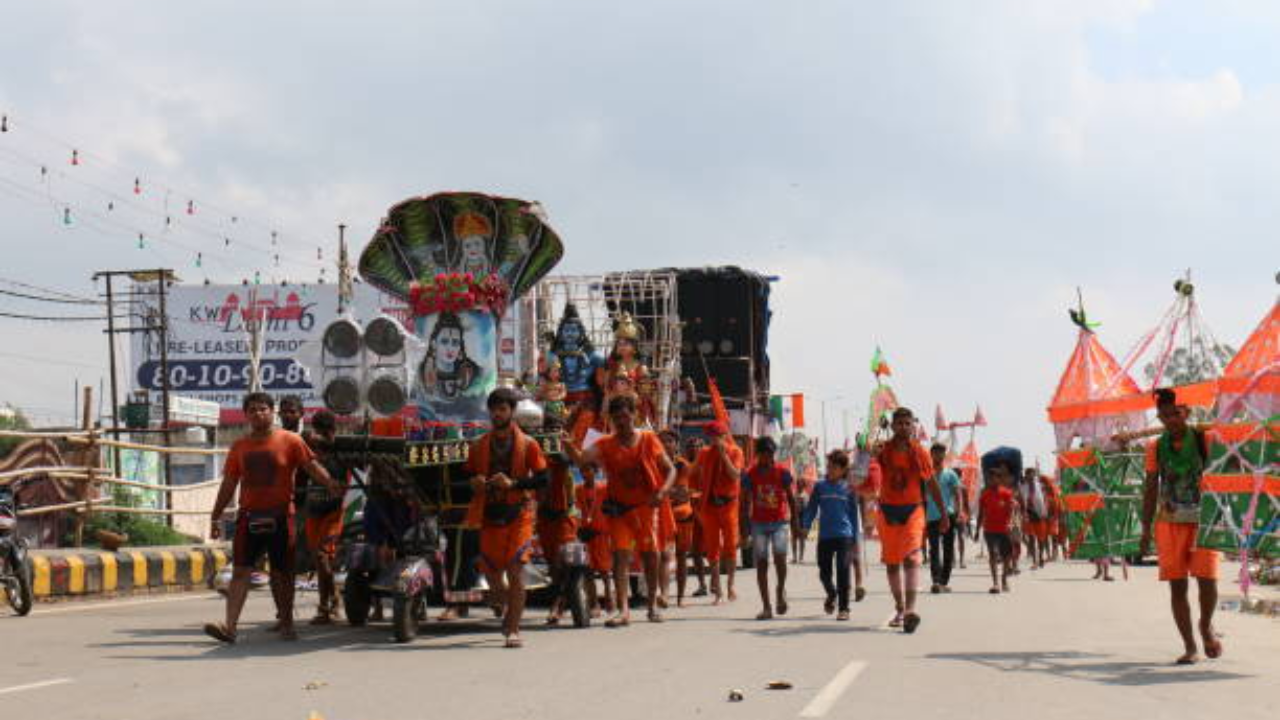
(998, 544)
(278, 545)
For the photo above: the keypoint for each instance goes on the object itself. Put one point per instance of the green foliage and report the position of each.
(11, 418)
(142, 531)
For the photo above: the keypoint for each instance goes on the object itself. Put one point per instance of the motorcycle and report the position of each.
(406, 579)
(16, 571)
(572, 586)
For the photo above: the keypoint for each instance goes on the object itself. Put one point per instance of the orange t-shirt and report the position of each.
(714, 479)
(903, 473)
(634, 473)
(265, 468)
(588, 500)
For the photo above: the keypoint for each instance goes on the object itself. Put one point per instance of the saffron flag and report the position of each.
(879, 366)
(717, 402)
(788, 410)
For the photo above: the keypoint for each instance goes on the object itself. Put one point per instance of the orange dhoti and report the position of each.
(719, 531)
(504, 545)
(685, 526)
(1038, 529)
(898, 542)
(666, 526)
(634, 530)
(1180, 556)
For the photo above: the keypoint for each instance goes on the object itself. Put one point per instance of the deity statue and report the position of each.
(552, 393)
(579, 363)
(624, 371)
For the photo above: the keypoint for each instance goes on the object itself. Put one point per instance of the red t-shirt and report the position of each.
(903, 473)
(265, 468)
(768, 491)
(635, 472)
(997, 505)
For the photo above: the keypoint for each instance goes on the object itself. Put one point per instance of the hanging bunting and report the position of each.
(191, 207)
(137, 186)
(75, 157)
(66, 216)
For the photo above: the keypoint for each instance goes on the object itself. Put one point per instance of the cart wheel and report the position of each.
(406, 613)
(357, 598)
(576, 592)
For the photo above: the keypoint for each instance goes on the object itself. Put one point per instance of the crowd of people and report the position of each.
(654, 502)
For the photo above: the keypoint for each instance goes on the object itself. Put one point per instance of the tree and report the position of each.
(11, 418)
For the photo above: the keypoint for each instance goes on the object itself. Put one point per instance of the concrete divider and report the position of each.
(70, 573)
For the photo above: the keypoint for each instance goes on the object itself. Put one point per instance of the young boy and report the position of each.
(997, 507)
(837, 503)
(771, 504)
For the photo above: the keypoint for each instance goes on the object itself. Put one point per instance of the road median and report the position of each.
(81, 573)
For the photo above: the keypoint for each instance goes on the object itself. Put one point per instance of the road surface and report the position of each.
(1059, 646)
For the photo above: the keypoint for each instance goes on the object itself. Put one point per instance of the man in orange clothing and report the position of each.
(557, 524)
(640, 476)
(681, 501)
(1171, 502)
(594, 531)
(907, 469)
(506, 467)
(718, 471)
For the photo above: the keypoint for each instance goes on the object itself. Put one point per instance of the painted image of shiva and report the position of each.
(447, 372)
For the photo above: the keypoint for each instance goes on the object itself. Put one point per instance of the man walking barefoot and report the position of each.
(1171, 507)
(908, 472)
(768, 490)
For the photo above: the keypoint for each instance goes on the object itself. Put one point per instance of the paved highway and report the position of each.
(1059, 646)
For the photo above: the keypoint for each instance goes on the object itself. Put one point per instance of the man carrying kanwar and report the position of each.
(262, 465)
(907, 470)
(1171, 511)
(640, 475)
(718, 472)
(506, 467)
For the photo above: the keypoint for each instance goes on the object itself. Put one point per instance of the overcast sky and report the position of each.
(933, 177)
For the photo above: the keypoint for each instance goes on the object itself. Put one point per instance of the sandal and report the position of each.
(859, 594)
(617, 621)
(513, 642)
(896, 621)
(843, 615)
(910, 623)
(655, 616)
(219, 632)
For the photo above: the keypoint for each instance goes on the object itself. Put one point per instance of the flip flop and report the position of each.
(655, 617)
(896, 621)
(859, 594)
(219, 632)
(843, 615)
(617, 622)
(1188, 659)
(513, 642)
(910, 622)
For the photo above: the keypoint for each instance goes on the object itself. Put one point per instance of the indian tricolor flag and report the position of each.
(788, 409)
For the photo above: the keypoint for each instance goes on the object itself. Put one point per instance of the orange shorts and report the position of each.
(553, 534)
(323, 533)
(1179, 556)
(719, 531)
(899, 542)
(502, 545)
(666, 526)
(633, 530)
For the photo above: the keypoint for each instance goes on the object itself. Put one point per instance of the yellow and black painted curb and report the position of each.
(62, 574)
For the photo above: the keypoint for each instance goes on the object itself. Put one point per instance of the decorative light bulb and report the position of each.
(191, 207)
(75, 157)
(137, 186)
(66, 216)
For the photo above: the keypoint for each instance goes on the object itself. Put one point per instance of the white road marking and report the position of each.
(78, 607)
(827, 697)
(34, 686)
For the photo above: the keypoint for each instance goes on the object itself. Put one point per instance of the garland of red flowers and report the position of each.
(458, 292)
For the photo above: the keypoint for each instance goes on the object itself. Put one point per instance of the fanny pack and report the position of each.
(613, 508)
(263, 522)
(898, 514)
(501, 514)
(720, 500)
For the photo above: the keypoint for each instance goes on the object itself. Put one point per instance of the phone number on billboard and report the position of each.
(222, 375)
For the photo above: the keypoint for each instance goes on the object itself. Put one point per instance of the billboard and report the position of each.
(208, 344)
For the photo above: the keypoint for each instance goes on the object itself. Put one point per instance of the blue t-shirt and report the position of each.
(949, 482)
(837, 504)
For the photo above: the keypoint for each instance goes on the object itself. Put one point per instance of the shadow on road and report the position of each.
(1091, 667)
